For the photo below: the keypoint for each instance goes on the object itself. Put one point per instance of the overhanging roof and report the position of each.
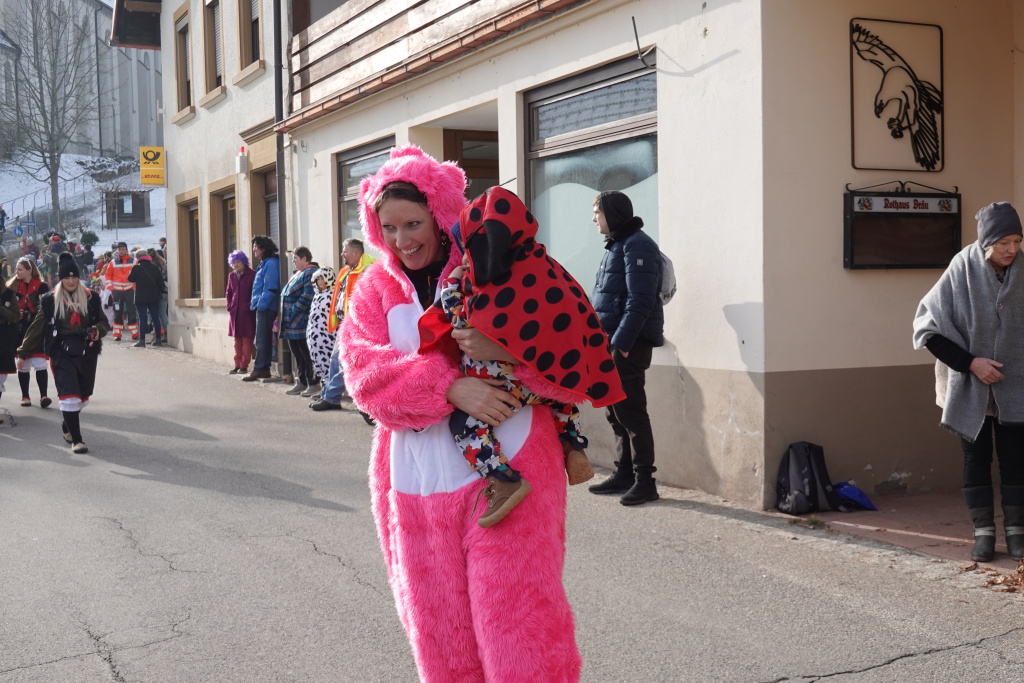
(136, 23)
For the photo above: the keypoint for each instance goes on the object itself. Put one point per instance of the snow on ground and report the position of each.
(20, 193)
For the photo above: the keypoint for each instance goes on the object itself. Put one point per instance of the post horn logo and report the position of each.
(151, 156)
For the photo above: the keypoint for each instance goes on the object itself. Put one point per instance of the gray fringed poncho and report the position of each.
(971, 307)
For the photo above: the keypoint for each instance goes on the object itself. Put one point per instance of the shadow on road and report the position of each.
(148, 425)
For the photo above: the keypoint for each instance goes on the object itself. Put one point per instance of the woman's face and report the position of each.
(70, 283)
(1005, 250)
(22, 272)
(410, 232)
(299, 262)
(238, 266)
(257, 252)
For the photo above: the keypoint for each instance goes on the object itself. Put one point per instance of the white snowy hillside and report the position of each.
(27, 200)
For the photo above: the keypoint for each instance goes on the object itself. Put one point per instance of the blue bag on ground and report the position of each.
(851, 493)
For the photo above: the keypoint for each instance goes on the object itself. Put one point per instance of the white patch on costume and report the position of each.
(33, 363)
(402, 330)
(72, 404)
(428, 461)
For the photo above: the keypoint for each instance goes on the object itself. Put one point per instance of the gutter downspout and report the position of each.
(99, 84)
(284, 356)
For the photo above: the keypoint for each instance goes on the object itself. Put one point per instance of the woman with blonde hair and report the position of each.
(29, 288)
(69, 327)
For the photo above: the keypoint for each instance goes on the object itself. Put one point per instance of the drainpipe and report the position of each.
(99, 84)
(283, 355)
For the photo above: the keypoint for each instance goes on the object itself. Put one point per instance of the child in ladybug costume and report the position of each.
(511, 290)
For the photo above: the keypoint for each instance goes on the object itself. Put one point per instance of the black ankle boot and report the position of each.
(1013, 519)
(643, 491)
(620, 482)
(979, 504)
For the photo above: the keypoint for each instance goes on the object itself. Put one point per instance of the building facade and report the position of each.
(736, 126)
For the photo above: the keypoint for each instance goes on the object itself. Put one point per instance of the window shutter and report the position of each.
(218, 67)
(254, 9)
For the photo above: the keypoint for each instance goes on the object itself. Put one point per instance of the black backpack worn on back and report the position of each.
(803, 484)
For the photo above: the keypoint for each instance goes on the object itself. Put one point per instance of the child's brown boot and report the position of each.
(577, 467)
(501, 496)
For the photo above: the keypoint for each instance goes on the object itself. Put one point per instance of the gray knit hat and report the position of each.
(995, 222)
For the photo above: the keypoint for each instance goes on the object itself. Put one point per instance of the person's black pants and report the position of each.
(1009, 448)
(634, 438)
(304, 372)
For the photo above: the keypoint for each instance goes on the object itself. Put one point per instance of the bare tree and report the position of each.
(56, 84)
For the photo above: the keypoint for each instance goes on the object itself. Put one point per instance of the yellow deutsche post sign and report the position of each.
(152, 170)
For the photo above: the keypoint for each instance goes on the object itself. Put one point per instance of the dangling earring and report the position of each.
(445, 242)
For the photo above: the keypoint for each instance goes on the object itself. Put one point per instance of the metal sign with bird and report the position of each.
(900, 126)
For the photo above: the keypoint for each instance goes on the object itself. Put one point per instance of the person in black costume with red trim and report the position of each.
(70, 327)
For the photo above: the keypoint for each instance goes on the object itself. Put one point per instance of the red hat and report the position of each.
(56, 238)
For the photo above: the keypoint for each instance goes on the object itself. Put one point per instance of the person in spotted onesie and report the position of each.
(491, 233)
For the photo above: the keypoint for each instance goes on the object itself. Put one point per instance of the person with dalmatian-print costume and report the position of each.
(321, 342)
(513, 284)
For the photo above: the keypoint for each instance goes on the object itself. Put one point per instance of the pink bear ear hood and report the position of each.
(443, 183)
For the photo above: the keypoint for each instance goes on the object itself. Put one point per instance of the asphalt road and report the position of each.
(221, 531)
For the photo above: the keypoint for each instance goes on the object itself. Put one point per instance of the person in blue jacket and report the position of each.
(266, 290)
(296, 300)
(626, 300)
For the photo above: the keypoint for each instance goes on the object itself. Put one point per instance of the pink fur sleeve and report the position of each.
(397, 389)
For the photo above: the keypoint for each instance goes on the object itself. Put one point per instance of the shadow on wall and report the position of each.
(747, 320)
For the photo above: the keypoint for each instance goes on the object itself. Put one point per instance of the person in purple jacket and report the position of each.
(241, 318)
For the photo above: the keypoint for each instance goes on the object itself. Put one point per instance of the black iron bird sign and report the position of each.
(909, 106)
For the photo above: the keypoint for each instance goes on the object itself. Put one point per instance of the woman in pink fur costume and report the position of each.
(477, 604)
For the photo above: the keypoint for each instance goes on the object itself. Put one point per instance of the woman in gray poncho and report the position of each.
(972, 320)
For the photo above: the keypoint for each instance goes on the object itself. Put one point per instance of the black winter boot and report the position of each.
(1013, 520)
(620, 482)
(643, 491)
(980, 505)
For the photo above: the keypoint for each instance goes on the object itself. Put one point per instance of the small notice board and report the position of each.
(900, 229)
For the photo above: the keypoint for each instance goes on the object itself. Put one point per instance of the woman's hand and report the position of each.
(482, 399)
(477, 346)
(985, 370)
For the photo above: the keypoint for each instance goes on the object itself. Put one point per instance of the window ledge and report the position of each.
(213, 97)
(188, 303)
(250, 73)
(217, 303)
(186, 114)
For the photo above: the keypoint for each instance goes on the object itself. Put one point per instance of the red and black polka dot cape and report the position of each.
(524, 300)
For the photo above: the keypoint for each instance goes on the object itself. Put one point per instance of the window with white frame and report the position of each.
(594, 132)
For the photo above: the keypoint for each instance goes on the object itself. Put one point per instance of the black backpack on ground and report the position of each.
(804, 485)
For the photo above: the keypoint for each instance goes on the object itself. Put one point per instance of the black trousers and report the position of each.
(634, 438)
(1009, 448)
(304, 372)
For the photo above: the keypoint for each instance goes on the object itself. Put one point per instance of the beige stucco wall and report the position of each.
(200, 152)
(819, 314)
(841, 370)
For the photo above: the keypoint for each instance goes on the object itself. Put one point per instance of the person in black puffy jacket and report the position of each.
(630, 310)
(149, 290)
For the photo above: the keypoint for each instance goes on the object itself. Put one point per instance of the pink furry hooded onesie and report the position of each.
(477, 604)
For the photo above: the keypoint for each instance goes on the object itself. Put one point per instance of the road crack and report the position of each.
(910, 655)
(106, 652)
(136, 545)
(355, 572)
